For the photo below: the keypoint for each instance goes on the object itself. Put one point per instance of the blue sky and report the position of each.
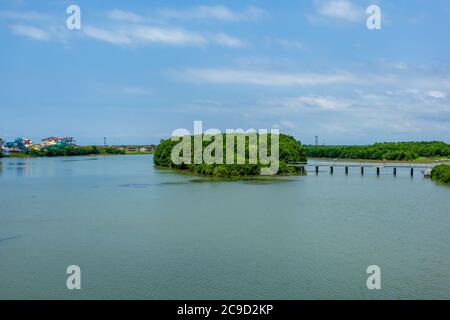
(137, 70)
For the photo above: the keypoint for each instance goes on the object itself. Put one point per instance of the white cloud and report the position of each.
(293, 44)
(402, 66)
(437, 94)
(360, 113)
(228, 41)
(135, 90)
(265, 78)
(339, 9)
(106, 35)
(30, 32)
(121, 15)
(131, 31)
(285, 124)
(313, 103)
(142, 34)
(145, 34)
(218, 12)
(24, 15)
(167, 35)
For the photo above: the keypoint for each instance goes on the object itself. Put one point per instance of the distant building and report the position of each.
(22, 144)
(136, 148)
(47, 142)
(58, 142)
(19, 145)
(68, 141)
(36, 147)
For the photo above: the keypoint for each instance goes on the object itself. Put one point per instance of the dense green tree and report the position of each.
(290, 151)
(441, 173)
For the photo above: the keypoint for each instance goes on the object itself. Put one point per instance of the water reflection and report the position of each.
(11, 167)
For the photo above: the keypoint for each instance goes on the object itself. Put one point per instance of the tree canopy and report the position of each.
(290, 151)
(441, 173)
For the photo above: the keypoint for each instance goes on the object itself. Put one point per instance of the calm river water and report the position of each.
(143, 233)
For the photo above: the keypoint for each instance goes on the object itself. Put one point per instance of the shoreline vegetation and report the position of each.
(72, 151)
(387, 151)
(441, 173)
(290, 151)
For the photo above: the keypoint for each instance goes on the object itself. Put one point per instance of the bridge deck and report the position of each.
(362, 165)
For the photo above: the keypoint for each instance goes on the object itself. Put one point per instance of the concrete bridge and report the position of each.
(362, 166)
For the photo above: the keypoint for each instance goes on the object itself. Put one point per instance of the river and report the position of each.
(143, 233)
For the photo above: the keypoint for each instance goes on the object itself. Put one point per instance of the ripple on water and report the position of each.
(173, 183)
(137, 185)
(77, 160)
(244, 180)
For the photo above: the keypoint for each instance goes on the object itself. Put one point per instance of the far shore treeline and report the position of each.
(73, 151)
(76, 151)
(406, 151)
(290, 151)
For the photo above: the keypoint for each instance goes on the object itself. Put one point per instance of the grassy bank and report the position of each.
(441, 173)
